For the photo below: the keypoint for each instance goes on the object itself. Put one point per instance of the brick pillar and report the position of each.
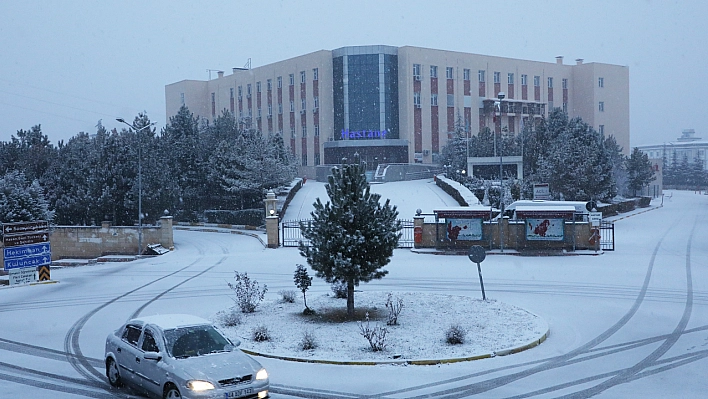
(272, 231)
(166, 237)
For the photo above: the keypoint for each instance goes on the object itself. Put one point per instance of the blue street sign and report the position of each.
(27, 256)
(29, 261)
(27, 250)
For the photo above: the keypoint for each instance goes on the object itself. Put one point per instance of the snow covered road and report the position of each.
(629, 323)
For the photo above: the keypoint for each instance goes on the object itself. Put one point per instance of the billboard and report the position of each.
(545, 229)
(464, 229)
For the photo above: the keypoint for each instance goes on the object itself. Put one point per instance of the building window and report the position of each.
(317, 130)
(302, 76)
(292, 106)
(537, 81)
(480, 75)
(292, 79)
(564, 83)
(565, 107)
(280, 108)
(181, 98)
(258, 114)
(240, 92)
(416, 71)
(270, 109)
(510, 78)
(248, 90)
(416, 99)
(600, 82)
(304, 131)
(258, 87)
(601, 106)
(315, 74)
(524, 80)
(466, 74)
(270, 84)
(317, 102)
(433, 100)
(449, 73)
(550, 83)
(292, 132)
(497, 77)
(231, 93)
(280, 82)
(303, 104)
(601, 129)
(213, 104)
(433, 71)
(450, 100)
(317, 159)
(304, 159)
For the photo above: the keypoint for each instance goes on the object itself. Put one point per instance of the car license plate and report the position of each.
(238, 393)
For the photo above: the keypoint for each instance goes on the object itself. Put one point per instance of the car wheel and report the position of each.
(112, 373)
(171, 392)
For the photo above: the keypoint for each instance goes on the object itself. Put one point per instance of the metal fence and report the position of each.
(607, 236)
(292, 235)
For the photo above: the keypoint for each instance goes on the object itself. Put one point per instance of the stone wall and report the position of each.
(85, 242)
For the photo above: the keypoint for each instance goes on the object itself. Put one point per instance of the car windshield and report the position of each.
(195, 341)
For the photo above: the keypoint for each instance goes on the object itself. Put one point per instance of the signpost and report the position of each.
(26, 247)
(477, 254)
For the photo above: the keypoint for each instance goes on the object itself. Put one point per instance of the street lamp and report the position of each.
(501, 96)
(140, 180)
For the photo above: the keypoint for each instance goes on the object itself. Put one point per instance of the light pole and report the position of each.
(140, 180)
(501, 96)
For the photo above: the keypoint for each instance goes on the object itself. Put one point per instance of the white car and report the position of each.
(181, 356)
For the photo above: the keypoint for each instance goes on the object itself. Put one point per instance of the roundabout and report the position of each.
(490, 328)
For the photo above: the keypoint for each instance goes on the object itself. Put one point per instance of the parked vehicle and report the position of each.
(181, 356)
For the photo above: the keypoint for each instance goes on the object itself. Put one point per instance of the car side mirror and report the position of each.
(156, 356)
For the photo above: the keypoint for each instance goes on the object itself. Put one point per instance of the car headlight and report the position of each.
(262, 374)
(198, 385)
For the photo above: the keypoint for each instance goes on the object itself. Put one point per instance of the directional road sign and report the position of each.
(24, 239)
(29, 261)
(24, 227)
(27, 256)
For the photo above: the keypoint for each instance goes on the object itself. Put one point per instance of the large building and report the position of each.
(400, 104)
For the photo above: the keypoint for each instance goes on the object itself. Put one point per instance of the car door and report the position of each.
(127, 350)
(148, 370)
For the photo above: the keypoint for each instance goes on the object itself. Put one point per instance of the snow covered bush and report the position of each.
(375, 335)
(394, 309)
(339, 289)
(308, 341)
(248, 292)
(287, 296)
(229, 318)
(455, 335)
(261, 334)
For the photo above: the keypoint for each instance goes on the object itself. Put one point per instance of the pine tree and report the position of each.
(22, 201)
(639, 170)
(352, 236)
(303, 282)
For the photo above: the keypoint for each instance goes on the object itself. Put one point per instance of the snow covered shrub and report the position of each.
(287, 296)
(394, 309)
(340, 289)
(261, 334)
(455, 335)
(230, 318)
(308, 341)
(375, 335)
(248, 292)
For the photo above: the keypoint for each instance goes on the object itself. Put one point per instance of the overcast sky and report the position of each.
(68, 64)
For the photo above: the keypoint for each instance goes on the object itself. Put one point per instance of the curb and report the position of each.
(638, 213)
(430, 362)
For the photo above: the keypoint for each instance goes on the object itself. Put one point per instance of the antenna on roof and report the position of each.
(248, 64)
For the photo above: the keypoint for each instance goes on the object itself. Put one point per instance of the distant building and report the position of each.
(400, 104)
(688, 145)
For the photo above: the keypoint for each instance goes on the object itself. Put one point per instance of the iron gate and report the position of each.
(292, 235)
(607, 236)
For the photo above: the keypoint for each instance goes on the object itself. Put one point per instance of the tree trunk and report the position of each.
(350, 298)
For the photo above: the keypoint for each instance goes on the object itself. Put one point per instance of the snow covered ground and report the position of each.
(628, 323)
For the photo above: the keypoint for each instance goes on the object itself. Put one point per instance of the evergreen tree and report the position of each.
(454, 154)
(303, 281)
(639, 171)
(352, 236)
(21, 200)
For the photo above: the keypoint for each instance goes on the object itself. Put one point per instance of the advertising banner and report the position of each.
(544, 229)
(464, 229)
